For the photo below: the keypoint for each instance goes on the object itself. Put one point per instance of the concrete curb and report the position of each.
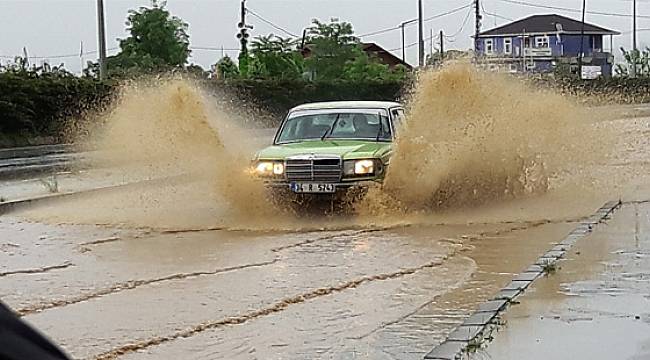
(482, 322)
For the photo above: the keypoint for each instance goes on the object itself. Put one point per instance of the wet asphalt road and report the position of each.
(393, 294)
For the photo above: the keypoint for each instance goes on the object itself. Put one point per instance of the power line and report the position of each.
(462, 26)
(411, 44)
(268, 22)
(58, 56)
(523, 3)
(212, 48)
(494, 14)
(412, 21)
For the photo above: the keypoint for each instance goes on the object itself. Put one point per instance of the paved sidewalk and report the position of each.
(595, 306)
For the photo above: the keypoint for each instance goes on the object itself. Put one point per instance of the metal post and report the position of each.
(101, 32)
(304, 39)
(420, 34)
(442, 46)
(431, 44)
(403, 41)
(582, 38)
(243, 40)
(477, 28)
(634, 44)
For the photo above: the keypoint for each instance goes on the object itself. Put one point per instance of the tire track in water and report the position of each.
(40, 270)
(132, 284)
(326, 237)
(277, 307)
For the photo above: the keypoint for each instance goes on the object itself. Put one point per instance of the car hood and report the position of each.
(346, 149)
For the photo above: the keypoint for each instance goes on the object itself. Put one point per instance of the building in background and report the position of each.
(544, 43)
(374, 51)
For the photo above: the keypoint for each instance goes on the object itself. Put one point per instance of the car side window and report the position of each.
(398, 118)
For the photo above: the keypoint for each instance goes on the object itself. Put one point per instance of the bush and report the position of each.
(278, 96)
(38, 102)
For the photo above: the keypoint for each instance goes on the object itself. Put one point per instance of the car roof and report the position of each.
(347, 105)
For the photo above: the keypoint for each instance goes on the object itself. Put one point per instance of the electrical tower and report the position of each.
(243, 40)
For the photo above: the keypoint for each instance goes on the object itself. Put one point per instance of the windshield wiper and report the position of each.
(331, 128)
(380, 132)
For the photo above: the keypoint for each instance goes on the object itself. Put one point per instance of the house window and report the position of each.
(541, 41)
(489, 46)
(507, 46)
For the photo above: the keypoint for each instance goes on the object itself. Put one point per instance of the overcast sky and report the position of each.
(50, 28)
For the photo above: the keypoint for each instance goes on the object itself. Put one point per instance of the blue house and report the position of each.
(540, 43)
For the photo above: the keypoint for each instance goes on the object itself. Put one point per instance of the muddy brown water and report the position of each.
(205, 268)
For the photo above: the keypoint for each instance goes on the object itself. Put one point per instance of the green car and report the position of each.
(331, 147)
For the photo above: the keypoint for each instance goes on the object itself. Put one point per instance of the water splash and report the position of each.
(472, 137)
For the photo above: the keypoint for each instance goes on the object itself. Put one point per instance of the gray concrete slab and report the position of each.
(553, 254)
(493, 306)
(507, 295)
(465, 333)
(560, 247)
(448, 350)
(480, 318)
(543, 261)
(528, 275)
(570, 240)
(518, 285)
(534, 269)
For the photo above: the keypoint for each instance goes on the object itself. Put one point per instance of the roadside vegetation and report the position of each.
(275, 73)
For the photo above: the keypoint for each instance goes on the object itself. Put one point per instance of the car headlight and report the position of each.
(268, 168)
(359, 167)
(363, 167)
(278, 168)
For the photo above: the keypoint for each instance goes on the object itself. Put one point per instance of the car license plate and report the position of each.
(313, 188)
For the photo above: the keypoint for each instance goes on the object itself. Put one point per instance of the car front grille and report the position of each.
(327, 170)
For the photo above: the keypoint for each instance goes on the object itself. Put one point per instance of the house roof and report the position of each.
(551, 23)
(374, 48)
(370, 48)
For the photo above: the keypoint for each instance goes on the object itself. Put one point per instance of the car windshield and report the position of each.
(336, 124)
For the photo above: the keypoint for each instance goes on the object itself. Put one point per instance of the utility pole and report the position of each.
(634, 44)
(431, 44)
(243, 40)
(402, 26)
(442, 46)
(101, 32)
(420, 34)
(477, 26)
(403, 40)
(582, 38)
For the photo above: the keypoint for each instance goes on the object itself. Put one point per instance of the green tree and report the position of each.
(366, 68)
(225, 68)
(639, 57)
(335, 54)
(276, 57)
(158, 41)
(331, 46)
(196, 71)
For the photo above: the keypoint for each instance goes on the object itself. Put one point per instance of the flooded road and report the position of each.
(181, 256)
(370, 293)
